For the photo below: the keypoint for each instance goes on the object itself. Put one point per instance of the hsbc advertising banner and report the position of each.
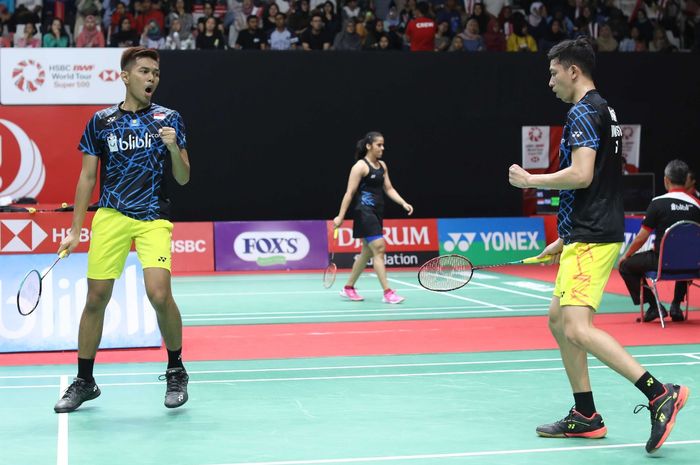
(409, 242)
(130, 321)
(487, 241)
(41, 76)
(270, 245)
(39, 154)
(39, 233)
(22, 233)
(193, 247)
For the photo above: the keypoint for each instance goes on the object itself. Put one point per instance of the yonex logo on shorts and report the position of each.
(162, 259)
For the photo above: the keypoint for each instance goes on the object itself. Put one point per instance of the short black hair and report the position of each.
(131, 54)
(577, 52)
(250, 17)
(677, 172)
(424, 8)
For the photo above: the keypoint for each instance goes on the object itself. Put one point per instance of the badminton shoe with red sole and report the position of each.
(575, 425)
(663, 411)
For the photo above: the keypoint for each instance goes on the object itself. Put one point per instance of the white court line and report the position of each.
(62, 442)
(454, 296)
(511, 291)
(252, 293)
(374, 376)
(383, 309)
(362, 367)
(540, 311)
(396, 458)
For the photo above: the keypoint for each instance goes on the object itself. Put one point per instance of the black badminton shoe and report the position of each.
(176, 392)
(663, 411)
(78, 392)
(575, 425)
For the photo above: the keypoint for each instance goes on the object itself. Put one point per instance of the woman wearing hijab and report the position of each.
(90, 36)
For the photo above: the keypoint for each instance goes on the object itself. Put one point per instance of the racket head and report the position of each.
(445, 273)
(329, 275)
(29, 293)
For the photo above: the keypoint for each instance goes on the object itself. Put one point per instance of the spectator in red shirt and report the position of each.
(151, 12)
(420, 31)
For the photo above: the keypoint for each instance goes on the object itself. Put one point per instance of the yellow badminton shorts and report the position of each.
(112, 236)
(584, 270)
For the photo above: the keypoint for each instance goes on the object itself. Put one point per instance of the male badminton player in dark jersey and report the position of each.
(367, 183)
(590, 227)
(139, 146)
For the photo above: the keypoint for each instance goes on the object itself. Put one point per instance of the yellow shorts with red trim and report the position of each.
(112, 236)
(584, 270)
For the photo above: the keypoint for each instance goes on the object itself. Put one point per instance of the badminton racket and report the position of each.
(332, 268)
(450, 272)
(29, 292)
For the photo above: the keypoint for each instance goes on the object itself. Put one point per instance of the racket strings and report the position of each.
(29, 293)
(445, 273)
(329, 275)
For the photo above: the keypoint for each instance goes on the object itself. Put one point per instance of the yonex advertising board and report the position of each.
(130, 321)
(409, 243)
(270, 245)
(45, 76)
(487, 241)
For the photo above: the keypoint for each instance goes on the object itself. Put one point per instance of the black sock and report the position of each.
(650, 386)
(85, 366)
(584, 403)
(175, 358)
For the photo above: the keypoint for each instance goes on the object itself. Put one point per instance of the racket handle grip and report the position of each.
(531, 260)
(335, 233)
(63, 254)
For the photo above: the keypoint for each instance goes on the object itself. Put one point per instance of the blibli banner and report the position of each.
(130, 321)
(270, 245)
(488, 241)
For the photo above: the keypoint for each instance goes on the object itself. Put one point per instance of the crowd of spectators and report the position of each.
(381, 25)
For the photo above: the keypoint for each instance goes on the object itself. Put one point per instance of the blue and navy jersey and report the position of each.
(133, 158)
(594, 214)
(370, 192)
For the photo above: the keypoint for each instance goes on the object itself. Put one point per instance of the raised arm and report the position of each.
(577, 176)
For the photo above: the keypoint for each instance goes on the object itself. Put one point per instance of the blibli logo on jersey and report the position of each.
(130, 143)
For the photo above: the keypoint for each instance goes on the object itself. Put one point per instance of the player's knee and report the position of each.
(577, 335)
(158, 298)
(379, 249)
(97, 300)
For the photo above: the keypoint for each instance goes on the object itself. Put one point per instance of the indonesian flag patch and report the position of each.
(158, 116)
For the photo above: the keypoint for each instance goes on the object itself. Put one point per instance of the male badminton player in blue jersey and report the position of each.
(590, 228)
(140, 145)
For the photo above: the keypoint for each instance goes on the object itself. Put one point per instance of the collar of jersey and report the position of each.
(138, 112)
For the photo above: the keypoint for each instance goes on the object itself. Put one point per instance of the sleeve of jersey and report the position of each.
(88, 143)
(179, 126)
(585, 128)
(651, 217)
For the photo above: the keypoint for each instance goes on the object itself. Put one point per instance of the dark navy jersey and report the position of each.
(370, 192)
(594, 214)
(133, 158)
(667, 209)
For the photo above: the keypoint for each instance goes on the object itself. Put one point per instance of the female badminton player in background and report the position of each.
(364, 197)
